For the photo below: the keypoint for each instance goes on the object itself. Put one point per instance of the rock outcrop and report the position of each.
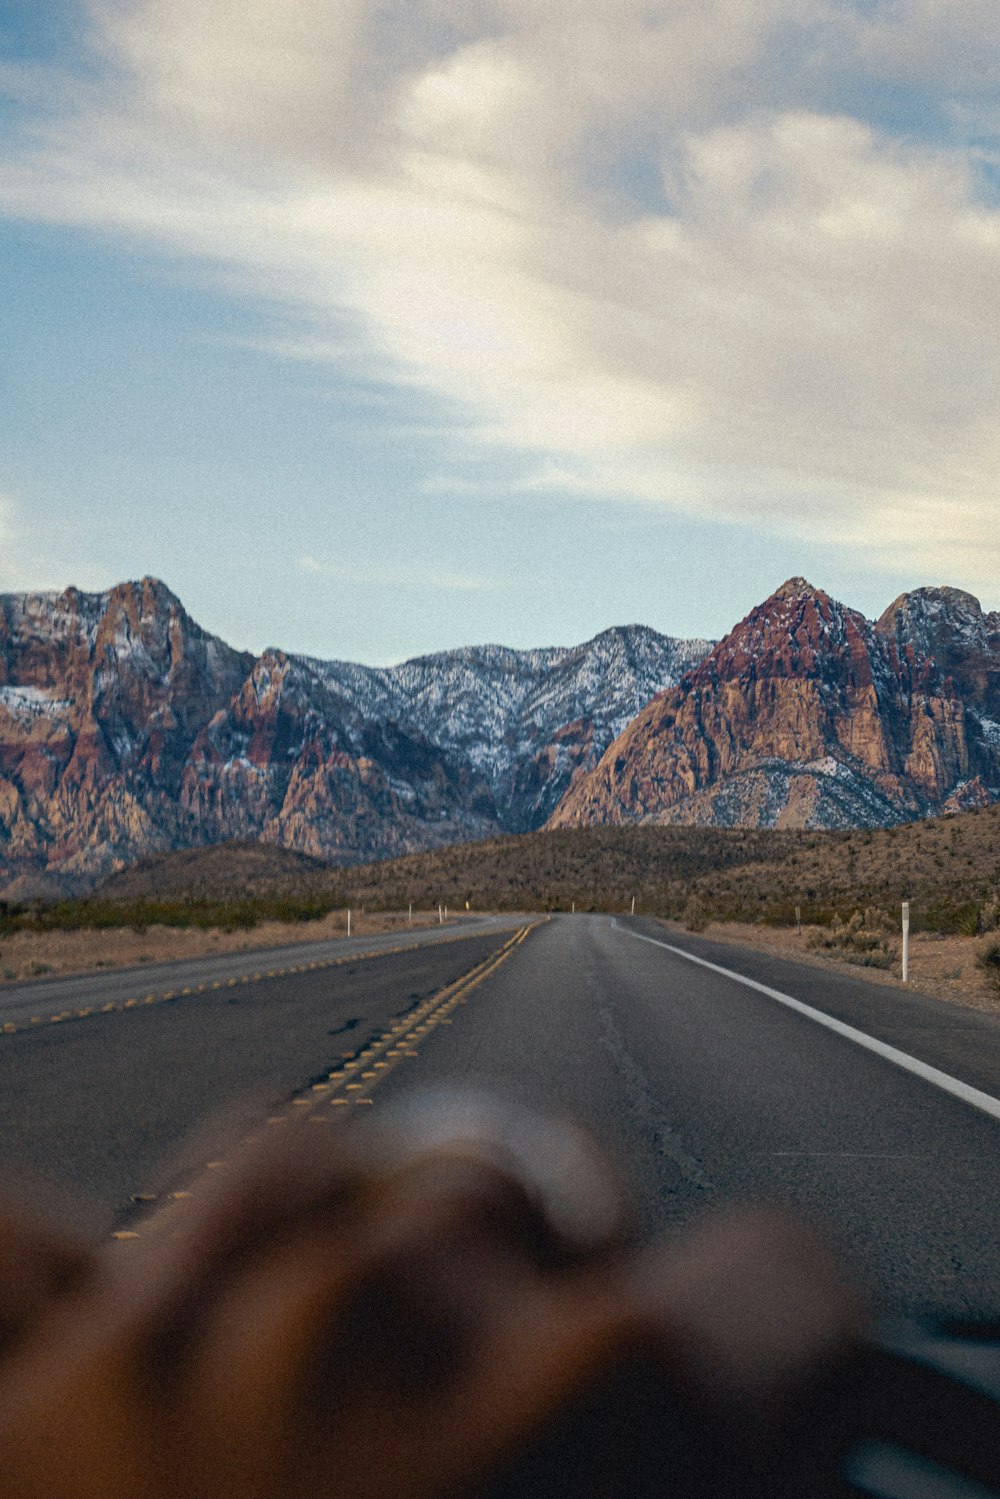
(808, 715)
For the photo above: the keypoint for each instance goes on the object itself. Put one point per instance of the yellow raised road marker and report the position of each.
(429, 1014)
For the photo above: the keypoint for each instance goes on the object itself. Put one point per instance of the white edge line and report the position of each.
(943, 1080)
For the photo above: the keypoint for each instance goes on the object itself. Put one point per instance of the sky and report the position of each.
(377, 329)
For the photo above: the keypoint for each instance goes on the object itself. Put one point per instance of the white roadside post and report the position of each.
(906, 940)
(348, 921)
(440, 915)
(573, 912)
(633, 906)
(409, 919)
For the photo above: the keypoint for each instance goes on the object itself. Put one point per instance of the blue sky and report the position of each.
(378, 330)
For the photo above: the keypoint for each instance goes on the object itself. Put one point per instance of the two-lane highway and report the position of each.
(707, 1089)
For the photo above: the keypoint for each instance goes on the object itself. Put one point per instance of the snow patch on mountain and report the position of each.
(493, 707)
(33, 702)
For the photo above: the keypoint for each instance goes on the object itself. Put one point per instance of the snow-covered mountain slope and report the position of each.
(524, 721)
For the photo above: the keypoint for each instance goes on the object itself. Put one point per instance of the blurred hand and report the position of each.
(402, 1306)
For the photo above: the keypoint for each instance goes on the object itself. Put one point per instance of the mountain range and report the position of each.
(126, 729)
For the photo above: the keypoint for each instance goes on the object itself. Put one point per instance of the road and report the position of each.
(706, 1089)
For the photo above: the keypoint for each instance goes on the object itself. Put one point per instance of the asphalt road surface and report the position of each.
(705, 1087)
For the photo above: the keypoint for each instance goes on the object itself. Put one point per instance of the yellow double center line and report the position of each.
(355, 1081)
(11, 1028)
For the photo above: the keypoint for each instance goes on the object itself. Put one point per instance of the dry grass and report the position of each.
(27, 955)
(944, 967)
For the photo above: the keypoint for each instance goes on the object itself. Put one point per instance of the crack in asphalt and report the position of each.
(678, 1169)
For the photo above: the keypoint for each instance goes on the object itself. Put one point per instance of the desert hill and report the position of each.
(943, 865)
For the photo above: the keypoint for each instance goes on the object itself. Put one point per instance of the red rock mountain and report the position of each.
(126, 729)
(100, 697)
(807, 714)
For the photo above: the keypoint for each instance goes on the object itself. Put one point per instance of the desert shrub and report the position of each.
(140, 915)
(862, 940)
(695, 915)
(967, 920)
(989, 961)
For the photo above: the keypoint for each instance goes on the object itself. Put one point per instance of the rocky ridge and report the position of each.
(126, 729)
(809, 715)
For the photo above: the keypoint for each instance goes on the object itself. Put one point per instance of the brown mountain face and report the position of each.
(126, 729)
(100, 696)
(808, 715)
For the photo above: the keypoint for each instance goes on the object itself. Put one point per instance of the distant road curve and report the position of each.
(77, 996)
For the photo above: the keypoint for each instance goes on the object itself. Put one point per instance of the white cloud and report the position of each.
(393, 575)
(791, 317)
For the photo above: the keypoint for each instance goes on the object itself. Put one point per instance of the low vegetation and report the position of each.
(848, 883)
(140, 915)
(864, 939)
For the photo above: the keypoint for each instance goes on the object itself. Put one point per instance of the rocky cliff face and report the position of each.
(292, 761)
(100, 698)
(807, 714)
(126, 729)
